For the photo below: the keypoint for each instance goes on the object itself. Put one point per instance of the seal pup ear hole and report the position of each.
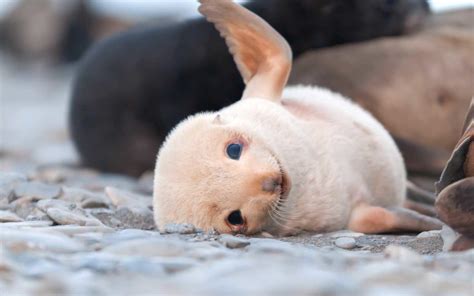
(217, 119)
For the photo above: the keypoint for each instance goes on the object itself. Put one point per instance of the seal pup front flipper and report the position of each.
(262, 55)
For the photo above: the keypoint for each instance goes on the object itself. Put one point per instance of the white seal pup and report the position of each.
(281, 160)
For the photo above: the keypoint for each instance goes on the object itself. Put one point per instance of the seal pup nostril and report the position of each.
(235, 218)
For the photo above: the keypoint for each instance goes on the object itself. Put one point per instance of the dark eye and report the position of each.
(234, 150)
(235, 218)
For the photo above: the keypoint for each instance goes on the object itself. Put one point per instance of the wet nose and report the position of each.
(272, 183)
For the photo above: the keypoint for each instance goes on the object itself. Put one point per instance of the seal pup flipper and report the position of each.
(372, 219)
(262, 55)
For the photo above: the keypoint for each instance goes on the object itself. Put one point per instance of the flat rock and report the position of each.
(233, 242)
(345, 233)
(64, 217)
(26, 224)
(135, 217)
(402, 254)
(126, 198)
(347, 243)
(75, 229)
(7, 183)
(431, 233)
(148, 247)
(36, 190)
(85, 198)
(46, 204)
(6, 216)
(179, 228)
(18, 240)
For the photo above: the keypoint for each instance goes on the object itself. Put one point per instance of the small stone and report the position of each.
(135, 217)
(173, 265)
(347, 243)
(270, 246)
(126, 198)
(74, 229)
(38, 215)
(449, 236)
(18, 240)
(402, 254)
(345, 233)
(6, 216)
(128, 234)
(148, 247)
(64, 217)
(233, 242)
(427, 234)
(179, 228)
(106, 216)
(46, 204)
(266, 234)
(27, 224)
(36, 190)
(7, 183)
(94, 202)
(146, 266)
(145, 183)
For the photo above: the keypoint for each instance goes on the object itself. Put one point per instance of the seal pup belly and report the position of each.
(281, 159)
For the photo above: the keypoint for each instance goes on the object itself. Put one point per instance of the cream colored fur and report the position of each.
(334, 155)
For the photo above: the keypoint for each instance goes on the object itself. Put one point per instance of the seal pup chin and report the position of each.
(281, 160)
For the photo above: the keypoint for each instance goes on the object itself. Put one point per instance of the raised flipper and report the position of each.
(262, 55)
(372, 219)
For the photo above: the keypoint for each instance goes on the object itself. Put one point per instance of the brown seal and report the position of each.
(455, 202)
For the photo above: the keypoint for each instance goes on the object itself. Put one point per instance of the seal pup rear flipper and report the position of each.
(262, 55)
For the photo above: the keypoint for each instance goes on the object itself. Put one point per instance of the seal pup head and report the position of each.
(219, 172)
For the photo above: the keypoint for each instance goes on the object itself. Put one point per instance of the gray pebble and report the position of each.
(65, 217)
(345, 233)
(36, 190)
(6, 216)
(347, 243)
(402, 254)
(46, 204)
(179, 228)
(85, 198)
(23, 239)
(128, 234)
(74, 229)
(148, 247)
(121, 197)
(26, 224)
(233, 242)
(7, 183)
(135, 217)
(431, 233)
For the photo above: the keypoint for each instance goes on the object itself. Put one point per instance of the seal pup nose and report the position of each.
(272, 184)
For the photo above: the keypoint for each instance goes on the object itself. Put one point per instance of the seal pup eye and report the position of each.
(235, 218)
(234, 150)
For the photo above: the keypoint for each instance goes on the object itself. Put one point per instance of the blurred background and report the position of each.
(41, 42)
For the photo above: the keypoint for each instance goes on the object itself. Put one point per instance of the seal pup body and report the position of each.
(280, 160)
